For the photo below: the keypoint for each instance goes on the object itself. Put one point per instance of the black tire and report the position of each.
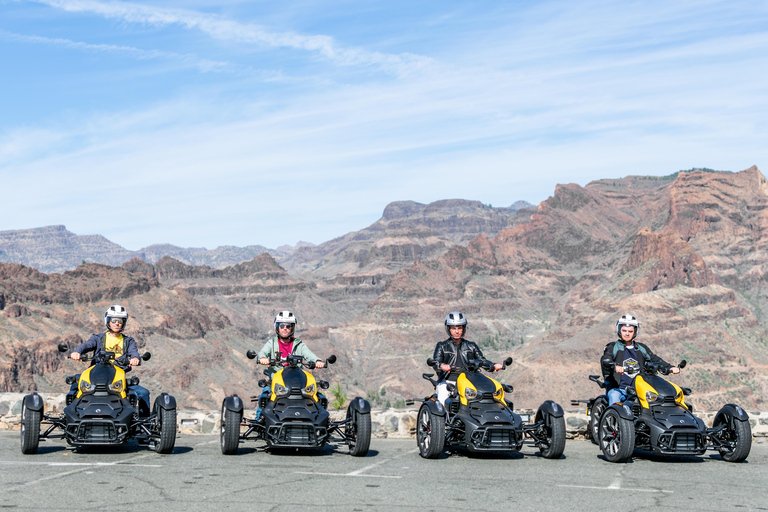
(430, 433)
(739, 436)
(30, 430)
(362, 427)
(167, 421)
(595, 412)
(230, 431)
(555, 439)
(617, 436)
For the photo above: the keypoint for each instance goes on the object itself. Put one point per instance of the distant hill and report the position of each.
(54, 249)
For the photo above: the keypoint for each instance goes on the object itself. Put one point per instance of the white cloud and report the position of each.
(228, 30)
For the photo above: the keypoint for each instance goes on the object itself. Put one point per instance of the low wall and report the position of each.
(394, 423)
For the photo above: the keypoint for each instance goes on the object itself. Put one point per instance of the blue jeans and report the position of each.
(616, 395)
(264, 392)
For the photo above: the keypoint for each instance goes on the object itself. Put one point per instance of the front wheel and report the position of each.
(599, 405)
(737, 435)
(430, 433)
(617, 436)
(167, 420)
(361, 423)
(30, 430)
(230, 431)
(555, 444)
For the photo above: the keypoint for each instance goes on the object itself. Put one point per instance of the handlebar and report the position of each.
(293, 361)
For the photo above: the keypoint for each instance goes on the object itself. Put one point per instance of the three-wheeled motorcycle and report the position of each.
(479, 417)
(655, 417)
(102, 411)
(294, 414)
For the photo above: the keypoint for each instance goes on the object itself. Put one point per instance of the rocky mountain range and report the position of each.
(54, 249)
(685, 253)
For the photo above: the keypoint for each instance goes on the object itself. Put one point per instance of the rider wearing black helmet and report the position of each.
(455, 351)
(625, 358)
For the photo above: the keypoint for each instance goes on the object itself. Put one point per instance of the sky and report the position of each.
(203, 123)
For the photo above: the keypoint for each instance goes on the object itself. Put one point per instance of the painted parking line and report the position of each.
(125, 462)
(360, 472)
(25, 463)
(615, 488)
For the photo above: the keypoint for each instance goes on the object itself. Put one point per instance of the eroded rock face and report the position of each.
(684, 253)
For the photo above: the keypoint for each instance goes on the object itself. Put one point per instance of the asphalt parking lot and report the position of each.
(196, 476)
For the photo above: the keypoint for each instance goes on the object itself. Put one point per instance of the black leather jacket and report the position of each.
(445, 353)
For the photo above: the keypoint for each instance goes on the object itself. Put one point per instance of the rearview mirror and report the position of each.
(251, 354)
(430, 362)
(146, 356)
(682, 364)
(63, 347)
(508, 361)
(331, 359)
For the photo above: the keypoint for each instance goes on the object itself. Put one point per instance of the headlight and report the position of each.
(85, 386)
(309, 391)
(116, 386)
(280, 390)
(651, 397)
(470, 393)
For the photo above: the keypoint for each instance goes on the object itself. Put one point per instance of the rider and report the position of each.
(451, 355)
(283, 345)
(113, 340)
(625, 358)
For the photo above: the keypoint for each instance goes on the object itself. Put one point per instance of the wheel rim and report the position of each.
(223, 425)
(424, 430)
(597, 411)
(611, 434)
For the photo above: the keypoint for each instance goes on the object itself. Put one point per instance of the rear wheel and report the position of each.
(555, 438)
(167, 420)
(598, 407)
(617, 436)
(362, 431)
(738, 437)
(430, 433)
(30, 430)
(230, 431)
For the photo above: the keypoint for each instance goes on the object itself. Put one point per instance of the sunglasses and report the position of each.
(285, 326)
(116, 321)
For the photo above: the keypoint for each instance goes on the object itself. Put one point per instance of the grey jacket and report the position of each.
(298, 349)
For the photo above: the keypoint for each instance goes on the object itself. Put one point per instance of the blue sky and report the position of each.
(204, 123)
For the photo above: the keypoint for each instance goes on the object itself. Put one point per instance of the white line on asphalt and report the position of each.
(612, 488)
(359, 472)
(344, 474)
(67, 473)
(14, 462)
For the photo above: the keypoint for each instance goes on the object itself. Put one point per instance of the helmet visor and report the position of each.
(116, 320)
(285, 325)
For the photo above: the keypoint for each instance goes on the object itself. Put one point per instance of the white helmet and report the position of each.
(630, 321)
(116, 311)
(285, 317)
(455, 318)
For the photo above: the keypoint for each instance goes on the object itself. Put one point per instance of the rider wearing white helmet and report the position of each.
(625, 358)
(283, 345)
(113, 340)
(454, 352)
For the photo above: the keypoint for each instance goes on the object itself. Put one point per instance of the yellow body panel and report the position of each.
(641, 387)
(86, 377)
(463, 383)
(277, 378)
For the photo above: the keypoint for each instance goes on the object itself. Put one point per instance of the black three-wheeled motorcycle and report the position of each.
(103, 410)
(655, 417)
(479, 417)
(294, 414)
